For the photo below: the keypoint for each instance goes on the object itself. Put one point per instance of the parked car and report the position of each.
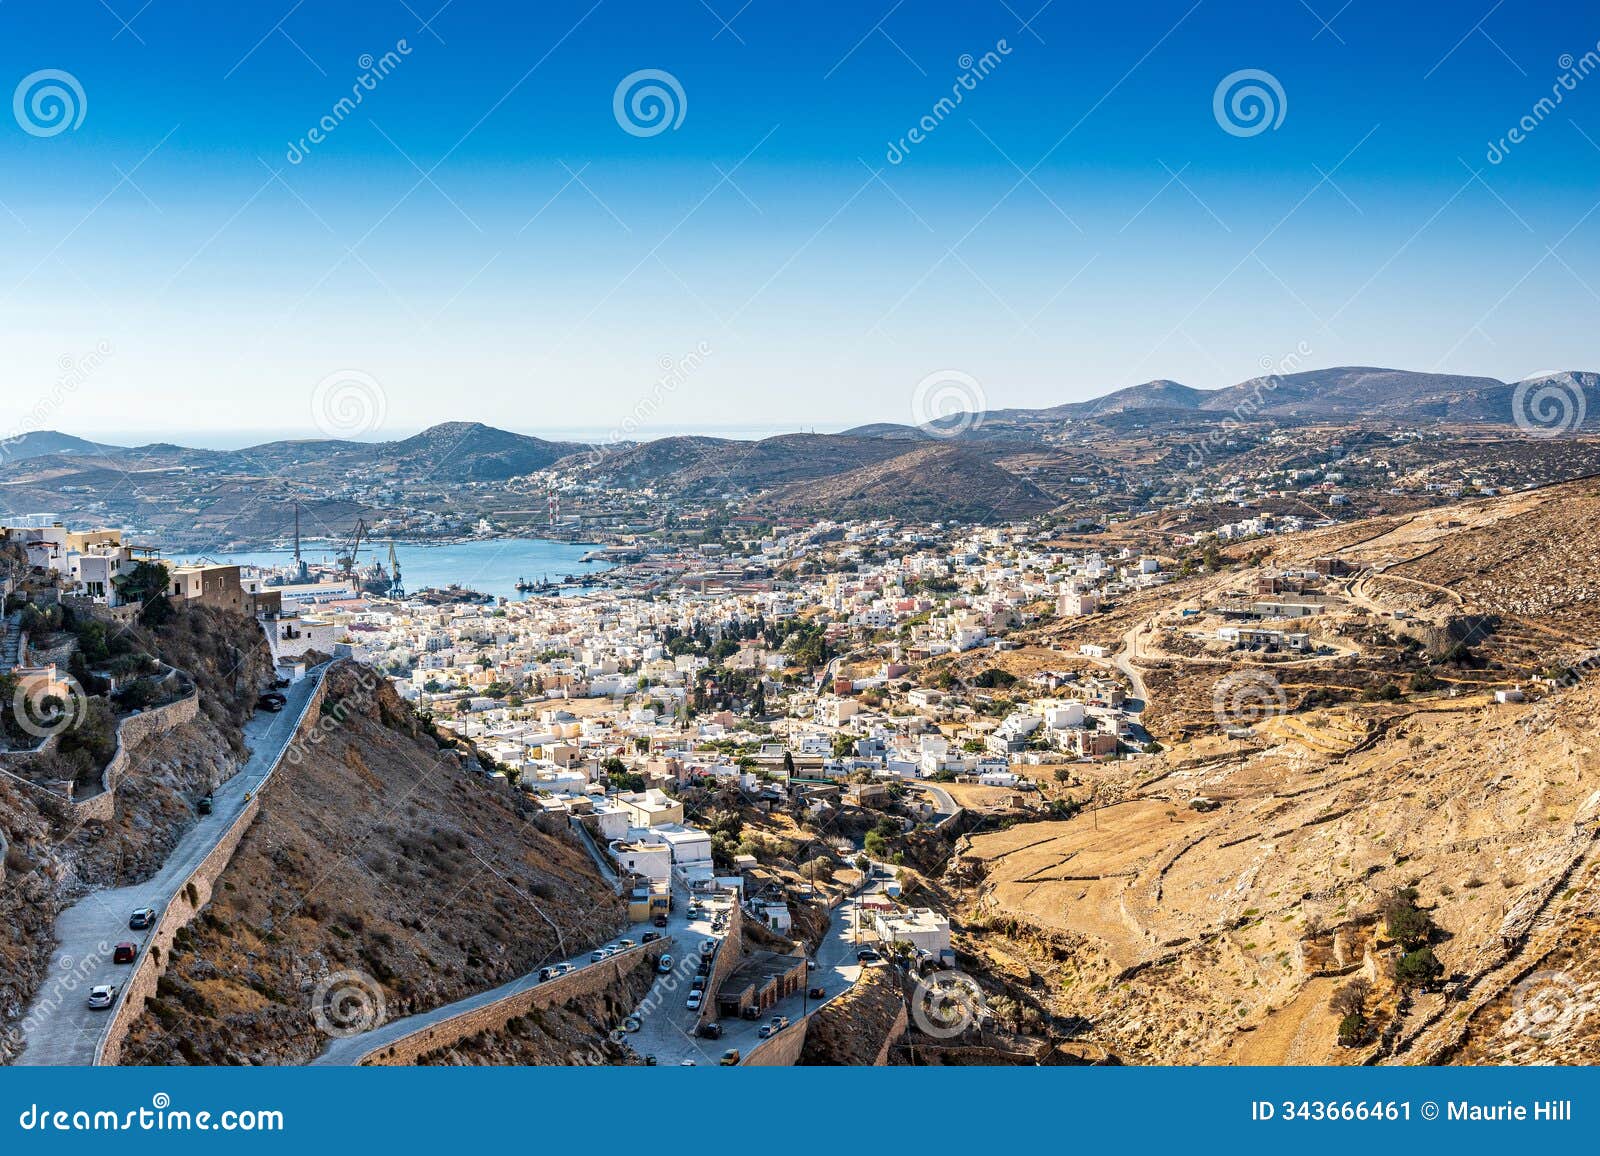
(699, 983)
(730, 1058)
(281, 684)
(867, 955)
(101, 995)
(272, 701)
(764, 1031)
(818, 993)
(124, 953)
(624, 944)
(597, 955)
(660, 921)
(650, 936)
(686, 1063)
(709, 1031)
(665, 964)
(779, 1023)
(141, 918)
(205, 804)
(750, 1013)
(693, 1002)
(545, 973)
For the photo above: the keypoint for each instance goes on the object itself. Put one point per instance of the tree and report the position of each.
(1351, 998)
(788, 764)
(1406, 923)
(1418, 968)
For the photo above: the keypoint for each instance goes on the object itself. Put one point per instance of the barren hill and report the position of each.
(378, 856)
(928, 483)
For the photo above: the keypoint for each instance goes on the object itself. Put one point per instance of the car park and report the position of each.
(102, 995)
(124, 953)
(141, 918)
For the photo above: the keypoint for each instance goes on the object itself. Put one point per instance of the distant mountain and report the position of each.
(43, 443)
(943, 482)
(719, 465)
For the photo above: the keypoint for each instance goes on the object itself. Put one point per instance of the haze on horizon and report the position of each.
(484, 238)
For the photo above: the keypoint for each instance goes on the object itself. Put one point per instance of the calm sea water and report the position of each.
(491, 567)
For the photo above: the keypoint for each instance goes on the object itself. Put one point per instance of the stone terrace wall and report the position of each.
(590, 980)
(131, 733)
(191, 897)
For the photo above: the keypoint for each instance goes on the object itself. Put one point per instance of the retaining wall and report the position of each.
(131, 733)
(589, 980)
(181, 908)
(782, 1050)
(730, 953)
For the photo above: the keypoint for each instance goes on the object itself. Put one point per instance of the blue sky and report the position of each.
(482, 239)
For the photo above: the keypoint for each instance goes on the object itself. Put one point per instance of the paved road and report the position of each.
(667, 1030)
(59, 1027)
(350, 1049)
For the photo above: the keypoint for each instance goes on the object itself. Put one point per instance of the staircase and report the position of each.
(10, 641)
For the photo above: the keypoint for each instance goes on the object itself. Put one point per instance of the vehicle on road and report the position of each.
(686, 1063)
(817, 993)
(141, 918)
(281, 684)
(665, 964)
(271, 701)
(709, 1031)
(699, 983)
(779, 1023)
(764, 1031)
(205, 804)
(102, 995)
(545, 973)
(597, 955)
(650, 937)
(624, 944)
(867, 955)
(730, 1058)
(124, 953)
(660, 921)
(693, 1002)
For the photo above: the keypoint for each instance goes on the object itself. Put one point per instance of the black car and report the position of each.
(545, 973)
(650, 936)
(709, 1031)
(204, 804)
(272, 701)
(141, 918)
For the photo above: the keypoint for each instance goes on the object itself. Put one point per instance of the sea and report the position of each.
(492, 566)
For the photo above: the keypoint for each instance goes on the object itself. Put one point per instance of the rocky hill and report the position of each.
(927, 483)
(380, 863)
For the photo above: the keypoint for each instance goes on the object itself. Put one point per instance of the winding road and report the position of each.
(60, 1028)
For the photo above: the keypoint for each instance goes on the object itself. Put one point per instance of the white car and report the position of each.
(693, 1002)
(102, 995)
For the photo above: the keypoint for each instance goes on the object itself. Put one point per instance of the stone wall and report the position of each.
(729, 955)
(191, 896)
(589, 980)
(131, 732)
(782, 1050)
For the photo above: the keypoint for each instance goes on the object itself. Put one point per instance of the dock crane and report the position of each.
(396, 587)
(347, 562)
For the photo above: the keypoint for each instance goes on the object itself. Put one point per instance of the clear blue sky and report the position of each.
(481, 239)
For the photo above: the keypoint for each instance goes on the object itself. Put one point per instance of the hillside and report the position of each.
(719, 465)
(1157, 932)
(378, 854)
(925, 484)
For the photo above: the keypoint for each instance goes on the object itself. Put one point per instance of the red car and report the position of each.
(124, 953)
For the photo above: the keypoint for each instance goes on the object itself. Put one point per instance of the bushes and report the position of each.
(1418, 968)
